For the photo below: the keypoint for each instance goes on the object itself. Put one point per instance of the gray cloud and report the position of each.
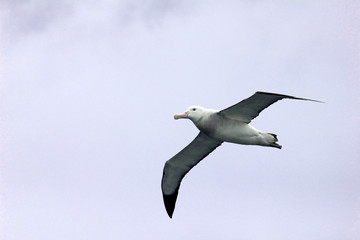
(24, 17)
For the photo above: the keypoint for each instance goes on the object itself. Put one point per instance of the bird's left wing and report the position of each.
(176, 168)
(250, 108)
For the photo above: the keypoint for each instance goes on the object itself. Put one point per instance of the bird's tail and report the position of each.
(273, 141)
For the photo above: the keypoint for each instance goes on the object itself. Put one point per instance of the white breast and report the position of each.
(229, 130)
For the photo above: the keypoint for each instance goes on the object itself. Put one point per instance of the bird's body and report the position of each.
(228, 125)
(233, 131)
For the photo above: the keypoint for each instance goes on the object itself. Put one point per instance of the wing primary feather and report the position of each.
(288, 96)
(169, 202)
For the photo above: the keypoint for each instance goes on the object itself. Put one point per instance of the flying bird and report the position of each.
(228, 125)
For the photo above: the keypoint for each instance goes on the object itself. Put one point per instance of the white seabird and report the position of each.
(216, 127)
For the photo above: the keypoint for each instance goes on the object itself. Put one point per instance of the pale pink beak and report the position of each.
(181, 115)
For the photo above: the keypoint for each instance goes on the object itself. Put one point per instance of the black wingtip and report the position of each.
(169, 201)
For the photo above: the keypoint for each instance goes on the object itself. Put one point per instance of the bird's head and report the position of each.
(194, 113)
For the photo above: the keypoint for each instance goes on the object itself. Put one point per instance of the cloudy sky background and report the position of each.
(88, 91)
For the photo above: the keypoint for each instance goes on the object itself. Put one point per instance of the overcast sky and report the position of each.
(88, 93)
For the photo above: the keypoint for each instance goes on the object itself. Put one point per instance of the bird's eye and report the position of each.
(194, 109)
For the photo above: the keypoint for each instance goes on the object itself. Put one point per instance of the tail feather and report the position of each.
(274, 135)
(275, 144)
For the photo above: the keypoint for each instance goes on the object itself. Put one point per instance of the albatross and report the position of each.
(228, 125)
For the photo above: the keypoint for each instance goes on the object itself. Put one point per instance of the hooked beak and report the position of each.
(181, 115)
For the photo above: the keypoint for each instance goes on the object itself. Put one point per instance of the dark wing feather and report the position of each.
(176, 168)
(250, 108)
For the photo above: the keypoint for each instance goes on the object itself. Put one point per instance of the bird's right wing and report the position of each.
(176, 168)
